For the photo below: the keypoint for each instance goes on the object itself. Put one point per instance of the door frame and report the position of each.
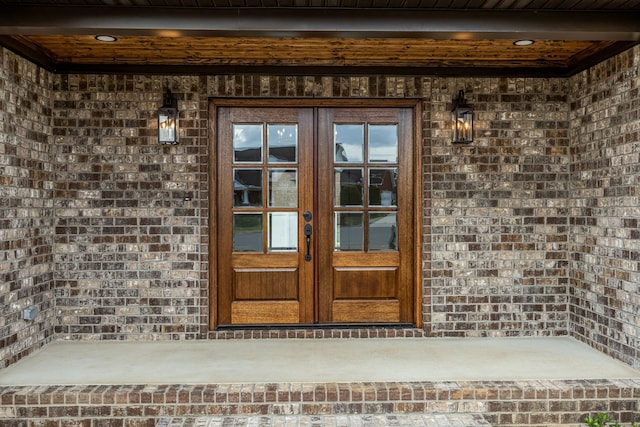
(414, 104)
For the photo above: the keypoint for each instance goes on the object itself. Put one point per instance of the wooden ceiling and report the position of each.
(336, 37)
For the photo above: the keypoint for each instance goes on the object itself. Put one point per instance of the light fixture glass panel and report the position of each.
(283, 188)
(247, 143)
(383, 231)
(349, 231)
(167, 126)
(383, 187)
(348, 187)
(283, 231)
(461, 120)
(282, 141)
(383, 143)
(247, 232)
(247, 187)
(463, 125)
(348, 143)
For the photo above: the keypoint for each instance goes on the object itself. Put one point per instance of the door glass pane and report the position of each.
(383, 143)
(383, 234)
(247, 187)
(349, 189)
(282, 141)
(283, 231)
(349, 143)
(349, 231)
(247, 143)
(383, 187)
(247, 232)
(283, 188)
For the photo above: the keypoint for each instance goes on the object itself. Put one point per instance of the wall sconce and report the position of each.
(462, 120)
(168, 120)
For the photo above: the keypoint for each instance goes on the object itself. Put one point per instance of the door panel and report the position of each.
(380, 282)
(283, 286)
(366, 311)
(265, 312)
(265, 183)
(365, 205)
(314, 215)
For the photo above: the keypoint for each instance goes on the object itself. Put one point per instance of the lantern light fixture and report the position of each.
(461, 120)
(168, 120)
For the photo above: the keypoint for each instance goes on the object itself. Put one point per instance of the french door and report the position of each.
(314, 216)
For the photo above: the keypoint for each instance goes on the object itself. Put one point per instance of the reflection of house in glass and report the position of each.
(282, 154)
(283, 188)
(247, 155)
(248, 183)
(279, 154)
(349, 187)
(383, 187)
(341, 153)
(247, 187)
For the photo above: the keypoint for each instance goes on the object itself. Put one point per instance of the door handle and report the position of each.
(308, 229)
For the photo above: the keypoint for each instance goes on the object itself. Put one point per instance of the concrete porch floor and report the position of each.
(302, 382)
(313, 361)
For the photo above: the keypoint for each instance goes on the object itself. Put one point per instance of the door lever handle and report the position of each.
(308, 229)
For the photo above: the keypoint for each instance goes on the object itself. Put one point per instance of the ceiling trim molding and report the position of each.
(598, 57)
(316, 71)
(28, 52)
(320, 22)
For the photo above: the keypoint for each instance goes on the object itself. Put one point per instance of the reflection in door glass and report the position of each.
(349, 143)
(283, 188)
(247, 143)
(383, 143)
(282, 143)
(349, 231)
(247, 232)
(349, 189)
(247, 187)
(283, 231)
(383, 231)
(383, 187)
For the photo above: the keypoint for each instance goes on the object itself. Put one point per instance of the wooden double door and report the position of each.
(314, 215)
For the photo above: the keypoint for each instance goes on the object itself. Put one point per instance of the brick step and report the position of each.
(336, 420)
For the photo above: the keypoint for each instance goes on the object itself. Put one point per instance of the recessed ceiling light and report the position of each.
(106, 38)
(523, 42)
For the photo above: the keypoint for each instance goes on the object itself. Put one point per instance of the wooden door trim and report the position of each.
(418, 168)
(315, 102)
(212, 217)
(418, 198)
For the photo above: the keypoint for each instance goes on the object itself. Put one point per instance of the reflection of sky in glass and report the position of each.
(247, 136)
(282, 135)
(349, 140)
(383, 143)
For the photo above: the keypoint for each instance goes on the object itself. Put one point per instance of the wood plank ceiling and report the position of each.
(437, 37)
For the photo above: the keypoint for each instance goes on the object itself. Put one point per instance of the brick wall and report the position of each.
(605, 207)
(500, 210)
(499, 206)
(130, 250)
(26, 207)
